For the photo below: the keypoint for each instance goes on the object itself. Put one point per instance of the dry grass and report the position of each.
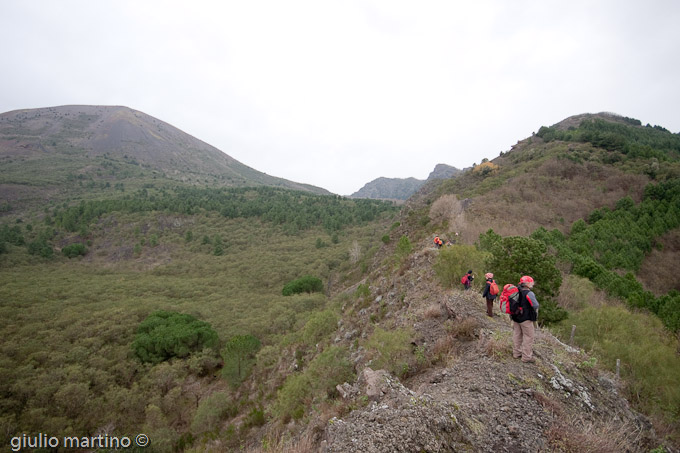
(305, 444)
(432, 312)
(658, 272)
(579, 436)
(465, 329)
(444, 349)
(448, 209)
(498, 346)
(549, 404)
(553, 196)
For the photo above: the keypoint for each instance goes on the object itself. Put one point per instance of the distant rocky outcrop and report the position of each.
(443, 171)
(389, 188)
(402, 188)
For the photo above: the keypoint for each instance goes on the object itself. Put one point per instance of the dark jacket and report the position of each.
(486, 294)
(528, 307)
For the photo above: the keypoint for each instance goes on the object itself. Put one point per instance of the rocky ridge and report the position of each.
(474, 396)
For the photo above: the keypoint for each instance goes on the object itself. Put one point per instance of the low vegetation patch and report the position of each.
(647, 353)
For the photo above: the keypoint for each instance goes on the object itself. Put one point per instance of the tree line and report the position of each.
(294, 211)
(645, 142)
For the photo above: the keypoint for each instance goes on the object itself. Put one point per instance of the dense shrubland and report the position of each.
(177, 339)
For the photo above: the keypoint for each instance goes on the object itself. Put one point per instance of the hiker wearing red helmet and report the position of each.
(523, 328)
(490, 293)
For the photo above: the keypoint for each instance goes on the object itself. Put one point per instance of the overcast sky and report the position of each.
(338, 93)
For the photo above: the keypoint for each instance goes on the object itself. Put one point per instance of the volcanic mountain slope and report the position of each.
(53, 147)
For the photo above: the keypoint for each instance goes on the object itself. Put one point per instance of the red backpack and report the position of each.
(509, 297)
(464, 279)
(493, 288)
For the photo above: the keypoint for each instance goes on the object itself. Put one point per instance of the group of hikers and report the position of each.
(520, 303)
(439, 242)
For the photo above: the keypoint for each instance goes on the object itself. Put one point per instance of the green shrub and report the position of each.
(41, 248)
(73, 250)
(320, 325)
(316, 383)
(330, 368)
(385, 239)
(404, 247)
(393, 350)
(363, 291)
(647, 352)
(212, 411)
(514, 256)
(239, 354)
(164, 335)
(454, 261)
(293, 396)
(306, 284)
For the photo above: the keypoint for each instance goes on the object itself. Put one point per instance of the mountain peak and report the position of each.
(113, 142)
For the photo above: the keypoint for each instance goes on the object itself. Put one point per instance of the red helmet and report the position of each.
(526, 279)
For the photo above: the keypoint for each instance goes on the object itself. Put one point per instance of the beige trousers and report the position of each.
(523, 340)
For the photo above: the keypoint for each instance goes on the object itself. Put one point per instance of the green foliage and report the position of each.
(618, 240)
(319, 326)
(211, 413)
(87, 314)
(41, 247)
(363, 291)
(293, 396)
(515, 256)
(648, 357)
(306, 284)
(316, 383)
(218, 249)
(73, 250)
(295, 211)
(404, 248)
(12, 235)
(164, 335)
(239, 354)
(453, 262)
(393, 350)
(385, 239)
(631, 142)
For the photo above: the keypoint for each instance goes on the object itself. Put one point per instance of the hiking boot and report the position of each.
(531, 360)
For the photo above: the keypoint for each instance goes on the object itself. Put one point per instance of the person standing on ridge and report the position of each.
(523, 322)
(490, 293)
(467, 280)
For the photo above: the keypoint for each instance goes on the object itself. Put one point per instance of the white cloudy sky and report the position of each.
(338, 93)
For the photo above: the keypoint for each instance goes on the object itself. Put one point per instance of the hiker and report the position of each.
(490, 293)
(438, 242)
(466, 280)
(523, 323)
